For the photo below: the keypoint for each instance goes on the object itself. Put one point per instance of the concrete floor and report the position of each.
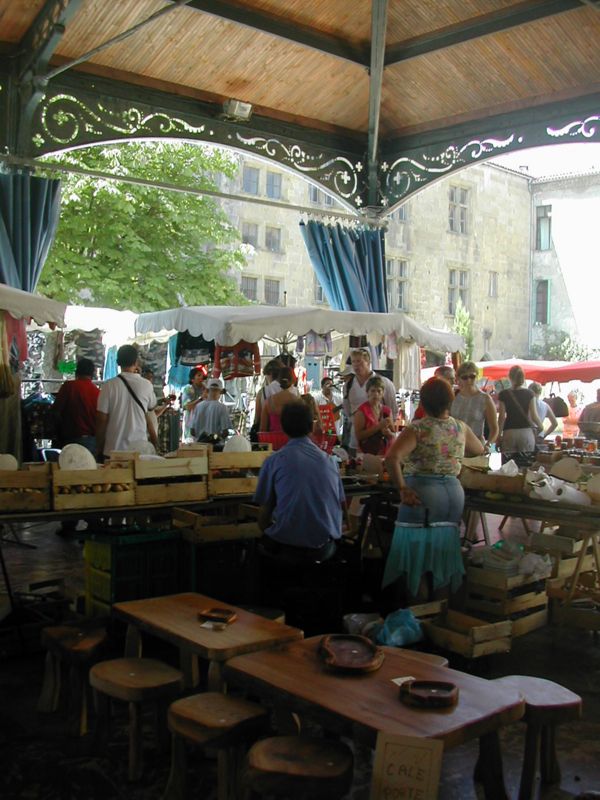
(569, 657)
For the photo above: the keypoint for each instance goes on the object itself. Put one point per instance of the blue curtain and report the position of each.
(29, 212)
(349, 264)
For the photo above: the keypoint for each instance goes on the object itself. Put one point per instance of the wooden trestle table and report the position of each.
(174, 618)
(294, 679)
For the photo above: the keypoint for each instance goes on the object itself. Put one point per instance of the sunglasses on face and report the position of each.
(469, 377)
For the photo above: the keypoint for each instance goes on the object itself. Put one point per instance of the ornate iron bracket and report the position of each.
(407, 170)
(69, 116)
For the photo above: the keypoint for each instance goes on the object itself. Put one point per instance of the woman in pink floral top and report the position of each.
(424, 463)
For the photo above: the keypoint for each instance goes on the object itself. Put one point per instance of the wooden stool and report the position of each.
(217, 721)
(135, 680)
(546, 705)
(76, 647)
(298, 767)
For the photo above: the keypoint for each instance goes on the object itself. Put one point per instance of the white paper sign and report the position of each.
(406, 768)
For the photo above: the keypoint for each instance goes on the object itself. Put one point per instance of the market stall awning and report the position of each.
(540, 371)
(227, 325)
(24, 305)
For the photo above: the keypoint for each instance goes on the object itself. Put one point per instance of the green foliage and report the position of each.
(463, 325)
(138, 247)
(559, 346)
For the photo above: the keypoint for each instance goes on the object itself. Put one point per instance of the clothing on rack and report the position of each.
(241, 360)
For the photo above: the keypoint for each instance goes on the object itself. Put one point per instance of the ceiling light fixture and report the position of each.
(236, 110)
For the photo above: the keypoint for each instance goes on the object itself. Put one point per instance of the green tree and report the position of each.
(560, 346)
(463, 325)
(139, 247)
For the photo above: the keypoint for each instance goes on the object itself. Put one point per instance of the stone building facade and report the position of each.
(469, 236)
(565, 240)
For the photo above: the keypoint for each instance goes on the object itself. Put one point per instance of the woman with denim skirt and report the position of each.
(424, 463)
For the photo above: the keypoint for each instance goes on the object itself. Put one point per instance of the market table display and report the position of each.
(584, 519)
(174, 618)
(362, 705)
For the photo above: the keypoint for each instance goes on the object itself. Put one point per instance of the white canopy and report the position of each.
(24, 305)
(118, 326)
(227, 325)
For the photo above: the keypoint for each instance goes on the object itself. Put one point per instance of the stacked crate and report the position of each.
(178, 479)
(25, 489)
(129, 566)
(235, 473)
(563, 545)
(221, 558)
(459, 633)
(105, 487)
(518, 598)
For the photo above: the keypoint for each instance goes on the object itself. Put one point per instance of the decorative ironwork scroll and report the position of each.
(409, 170)
(585, 128)
(66, 120)
(407, 173)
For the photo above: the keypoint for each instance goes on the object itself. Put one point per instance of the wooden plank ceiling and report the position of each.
(306, 61)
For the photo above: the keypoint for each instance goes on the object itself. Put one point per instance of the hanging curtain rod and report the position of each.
(53, 166)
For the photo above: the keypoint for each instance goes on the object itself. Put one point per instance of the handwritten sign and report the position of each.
(406, 768)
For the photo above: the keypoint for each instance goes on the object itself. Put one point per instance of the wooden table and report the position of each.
(362, 705)
(174, 618)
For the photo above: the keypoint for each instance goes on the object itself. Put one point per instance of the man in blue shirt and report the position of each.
(300, 493)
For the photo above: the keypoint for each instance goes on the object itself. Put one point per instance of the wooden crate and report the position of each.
(171, 492)
(199, 529)
(92, 488)
(519, 598)
(25, 489)
(555, 543)
(170, 480)
(487, 482)
(468, 636)
(235, 473)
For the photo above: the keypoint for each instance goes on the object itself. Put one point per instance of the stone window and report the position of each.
(250, 233)
(273, 239)
(542, 302)
(397, 284)
(274, 185)
(492, 284)
(458, 286)
(249, 287)
(250, 178)
(458, 209)
(272, 292)
(543, 227)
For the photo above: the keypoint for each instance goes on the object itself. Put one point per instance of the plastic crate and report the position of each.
(131, 567)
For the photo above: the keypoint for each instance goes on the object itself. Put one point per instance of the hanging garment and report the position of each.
(241, 360)
(192, 350)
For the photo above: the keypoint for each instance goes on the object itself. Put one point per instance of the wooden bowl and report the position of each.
(429, 694)
(350, 653)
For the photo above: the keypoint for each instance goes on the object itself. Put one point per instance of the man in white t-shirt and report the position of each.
(355, 391)
(122, 417)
